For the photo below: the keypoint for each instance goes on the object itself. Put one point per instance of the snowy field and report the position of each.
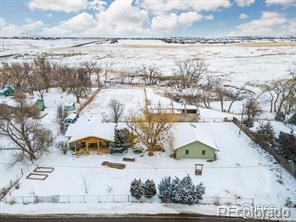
(246, 171)
(239, 162)
(239, 63)
(241, 170)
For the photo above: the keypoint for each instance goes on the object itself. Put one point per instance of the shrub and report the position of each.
(149, 188)
(63, 146)
(280, 116)
(264, 135)
(17, 186)
(136, 189)
(249, 122)
(292, 120)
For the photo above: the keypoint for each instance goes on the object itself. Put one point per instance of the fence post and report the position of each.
(252, 201)
(83, 198)
(23, 200)
(68, 199)
(22, 171)
(98, 198)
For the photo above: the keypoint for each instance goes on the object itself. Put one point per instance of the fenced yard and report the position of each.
(117, 199)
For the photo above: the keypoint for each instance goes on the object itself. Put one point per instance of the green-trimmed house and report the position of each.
(190, 142)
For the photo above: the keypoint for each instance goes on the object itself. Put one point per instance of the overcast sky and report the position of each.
(139, 18)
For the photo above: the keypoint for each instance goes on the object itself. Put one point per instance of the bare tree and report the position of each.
(252, 108)
(61, 115)
(234, 96)
(149, 75)
(3, 78)
(106, 70)
(78, 83)
(188, 74)
(220, 91)
(207, 89)
(16, 75)
(43, 70)
(98, 70)
(117, 110)
(61, 76)
(269, 89)
(21, 126)
(151, 128)
(36, 83)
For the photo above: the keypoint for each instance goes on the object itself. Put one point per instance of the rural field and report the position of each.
(241, 173)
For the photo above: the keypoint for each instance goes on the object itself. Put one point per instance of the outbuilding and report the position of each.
(70, 119)
(86, 137)
(7, 91)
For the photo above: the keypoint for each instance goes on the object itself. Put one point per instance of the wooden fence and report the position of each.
(286, 164)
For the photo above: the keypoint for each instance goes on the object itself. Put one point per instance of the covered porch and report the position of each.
(90, 145)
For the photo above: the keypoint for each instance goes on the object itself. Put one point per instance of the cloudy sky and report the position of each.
(137, 18)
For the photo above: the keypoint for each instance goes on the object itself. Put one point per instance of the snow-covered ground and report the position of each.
(239, 63)
(241, 170)
(240, 163)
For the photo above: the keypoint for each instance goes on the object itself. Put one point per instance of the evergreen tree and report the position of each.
(287, 143)
(136, 189)
(265, 135)
(149, 188)
(121, 140)
(292, 120)
(180, 191)
(186, 192)
(165, 190)
(249, 122)
(280, 116)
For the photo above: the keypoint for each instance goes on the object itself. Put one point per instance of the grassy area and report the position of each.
(156, 46)
(267, 44)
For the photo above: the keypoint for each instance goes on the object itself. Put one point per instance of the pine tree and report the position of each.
(265, 135)
(200, 190)
(180, 191)
(121, 140)
(136, 189)
(165, 190)
(292, 120)
(149, 188)
(249, 122)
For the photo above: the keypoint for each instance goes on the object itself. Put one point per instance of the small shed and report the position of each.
(70, 119)
(70, 106)
(7, 91)
(189, 142)
(40, 105)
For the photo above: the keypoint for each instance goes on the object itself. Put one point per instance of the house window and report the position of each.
(186, 152)
(203, 152)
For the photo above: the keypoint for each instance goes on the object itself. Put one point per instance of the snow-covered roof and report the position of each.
(90, 129)
(69, 104)
(71, 116)
(186, 133)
